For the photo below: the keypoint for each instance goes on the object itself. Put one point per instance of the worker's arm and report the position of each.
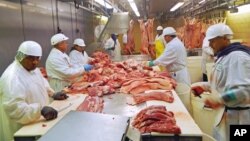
(168, 57)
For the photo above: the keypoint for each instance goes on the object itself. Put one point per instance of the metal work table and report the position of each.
(88, 126)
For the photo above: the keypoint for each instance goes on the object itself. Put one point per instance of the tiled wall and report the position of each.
(240, 24)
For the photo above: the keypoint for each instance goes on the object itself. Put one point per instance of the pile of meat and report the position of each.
(107, 77)
(156, 119)
(166, 96)
(91, 104)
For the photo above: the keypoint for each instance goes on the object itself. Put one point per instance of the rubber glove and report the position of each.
(60, 96)
(87, 67)
(49, 113)
(149, 63)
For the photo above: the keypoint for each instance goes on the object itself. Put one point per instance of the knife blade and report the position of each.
(64, 107)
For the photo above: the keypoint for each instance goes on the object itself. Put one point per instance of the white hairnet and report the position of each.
(79, 42)
(169, 31)
(55, 39)
(30, 48)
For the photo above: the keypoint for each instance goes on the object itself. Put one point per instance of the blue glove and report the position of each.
(87, 67)
(151, 63)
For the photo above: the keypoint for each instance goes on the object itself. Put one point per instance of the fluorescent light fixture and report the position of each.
(176, 6)
(104, 3)
(202, 1)
(244, 8)
(134, 7)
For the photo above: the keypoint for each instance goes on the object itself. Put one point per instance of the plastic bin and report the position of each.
(204, 117)
(184, 91)
(194, 68)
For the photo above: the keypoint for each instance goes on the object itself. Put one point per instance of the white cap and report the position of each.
(55, 39)
(218, 30)
(79, 42)
(169, 31)
(159, 28)
(30, 48)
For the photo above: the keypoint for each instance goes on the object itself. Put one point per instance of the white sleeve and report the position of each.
(237, 80)
(109, 44)
(206, 48)
(168, 57)
(15, 104)
(63, 68)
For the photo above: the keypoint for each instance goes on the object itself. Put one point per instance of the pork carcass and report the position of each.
(144, 38)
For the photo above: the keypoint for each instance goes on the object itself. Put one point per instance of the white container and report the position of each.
(204, 117)
(194, 68)
(183, 91)
(209, 67)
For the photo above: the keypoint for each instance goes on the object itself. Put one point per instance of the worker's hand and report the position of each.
(149, 63)
(49, 113)
(60, 96)
(200, 87)
(213, 101)
(87, 67)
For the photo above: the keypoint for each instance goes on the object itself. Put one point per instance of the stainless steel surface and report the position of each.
(116, 104)
(64, 107)
(79, 126)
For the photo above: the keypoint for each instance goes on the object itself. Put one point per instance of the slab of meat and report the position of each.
(91, 104)
(156, 119)
(130, 47)
(151, 39)
(144, 38)
(100, 90)
(166, 96)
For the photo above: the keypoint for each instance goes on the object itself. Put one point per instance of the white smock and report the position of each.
(207, 55)
(174, 58)
(125, 39)
(60, 71)
(78, 59)
(116, 53)
(22, 96)
(231, 72)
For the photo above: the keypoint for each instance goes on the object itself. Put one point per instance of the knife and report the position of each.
(64, 107)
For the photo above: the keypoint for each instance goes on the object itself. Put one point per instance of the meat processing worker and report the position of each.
(78, 55)
(125, 40)
(59, 68)
(112, 45)
(159, 42)
(207, 57)
(230, 81)
(174, 58)
(24, 92)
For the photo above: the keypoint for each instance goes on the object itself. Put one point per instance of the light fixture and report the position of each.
(202, 1)
(134, 7)
(244, 8)
(176, 6)
(104, 3)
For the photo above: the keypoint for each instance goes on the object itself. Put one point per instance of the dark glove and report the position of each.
(60, 96)
(49, 113)
(87, 67)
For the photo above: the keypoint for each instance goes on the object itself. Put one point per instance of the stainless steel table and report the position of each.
(79, 126)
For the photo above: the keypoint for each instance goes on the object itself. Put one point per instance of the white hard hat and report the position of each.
(159, 28)
(55, 39)
(30, 48)
(169, 31)
(218, 30)
(79, 42)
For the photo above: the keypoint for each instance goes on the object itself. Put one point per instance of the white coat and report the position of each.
(174, 58)
(60, 71)
(207, 55)
(116, 53)
(231, 72)
(78, 59)
(125, 39)
(22, 96)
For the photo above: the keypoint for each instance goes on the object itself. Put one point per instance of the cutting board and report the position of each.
(42, 126)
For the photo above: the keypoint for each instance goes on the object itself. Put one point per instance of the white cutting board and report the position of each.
(182, 116)
(42, 126)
